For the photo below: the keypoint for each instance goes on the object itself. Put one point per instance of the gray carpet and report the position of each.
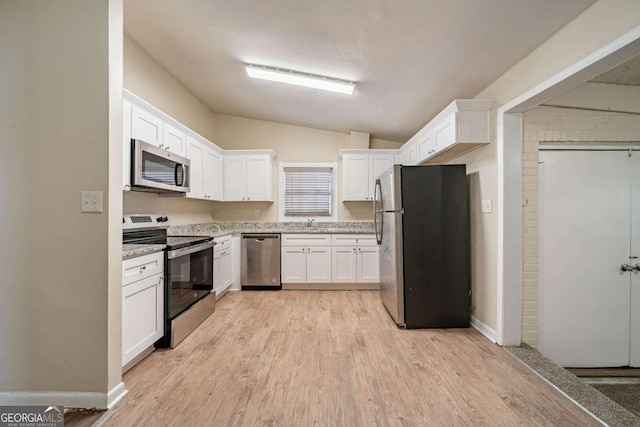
(626, 395)
(595, 402)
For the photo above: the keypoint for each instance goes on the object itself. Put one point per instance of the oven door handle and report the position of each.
(189, 250)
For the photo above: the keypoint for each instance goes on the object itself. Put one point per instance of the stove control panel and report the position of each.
(143, 221)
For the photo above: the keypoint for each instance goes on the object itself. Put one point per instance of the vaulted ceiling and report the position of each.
(409, 58)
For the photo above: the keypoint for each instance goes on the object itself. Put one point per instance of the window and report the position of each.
(307, 191)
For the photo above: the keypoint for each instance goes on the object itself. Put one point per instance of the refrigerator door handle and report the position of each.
(377, 198)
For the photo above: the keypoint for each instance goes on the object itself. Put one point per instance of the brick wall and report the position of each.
(549, 124)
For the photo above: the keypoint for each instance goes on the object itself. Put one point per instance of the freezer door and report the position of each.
(391, 270)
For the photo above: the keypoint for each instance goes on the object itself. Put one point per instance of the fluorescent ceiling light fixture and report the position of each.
(300, 79)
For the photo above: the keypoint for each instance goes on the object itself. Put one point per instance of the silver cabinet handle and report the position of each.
(354, 249)
(303, 250)
(636, 268)
(626, 267)
(143, 268)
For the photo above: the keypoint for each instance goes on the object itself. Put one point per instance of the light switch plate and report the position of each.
(487, 206)
(92, 201)
(257, 213)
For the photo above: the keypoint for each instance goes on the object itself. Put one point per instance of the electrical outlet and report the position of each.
(257, 213)
(487, 206)
(347, 213)
(91, 201)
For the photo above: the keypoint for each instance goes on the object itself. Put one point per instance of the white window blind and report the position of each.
(307, 191)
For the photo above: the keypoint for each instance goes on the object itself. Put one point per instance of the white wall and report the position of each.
(548, 124)
(59, 269)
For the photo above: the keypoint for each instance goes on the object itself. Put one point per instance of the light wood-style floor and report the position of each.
(333, 358)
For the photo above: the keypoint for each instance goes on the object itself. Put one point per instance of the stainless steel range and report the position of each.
(188, 266)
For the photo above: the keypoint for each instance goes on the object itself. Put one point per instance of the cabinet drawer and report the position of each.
(353, 240)
(135, 269)
(222, 243)
(306, 239)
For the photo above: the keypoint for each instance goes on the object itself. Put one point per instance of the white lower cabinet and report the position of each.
(355, 259)
(327, 258)
(142, 304)
(306, 258)
(222, 265)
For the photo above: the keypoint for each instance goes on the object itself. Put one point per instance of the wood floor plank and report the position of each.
(333, 358)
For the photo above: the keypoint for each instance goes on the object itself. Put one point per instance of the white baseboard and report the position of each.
(68, 399)
(484, 329)
(115, 395)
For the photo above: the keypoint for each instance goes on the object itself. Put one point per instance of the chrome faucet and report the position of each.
(310, 222)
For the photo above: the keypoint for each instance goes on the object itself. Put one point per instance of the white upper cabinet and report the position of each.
(146, 125)
(461, 127)
(206, 170)
(408, 154)
(355, 177)
(360, 168)
(174, 139)
(248, 176)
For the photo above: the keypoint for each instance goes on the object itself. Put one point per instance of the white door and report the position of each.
(234, 178)
(368, 264)
(293, 262)
(319, 264)
(343, 264)
(635, 252)
(585, 212)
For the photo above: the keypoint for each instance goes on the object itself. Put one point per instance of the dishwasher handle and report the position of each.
(260, 237)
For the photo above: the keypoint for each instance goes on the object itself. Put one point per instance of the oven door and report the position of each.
(155, 169)
(189, 276)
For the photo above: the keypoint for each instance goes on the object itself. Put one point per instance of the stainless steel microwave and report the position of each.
(156, 170)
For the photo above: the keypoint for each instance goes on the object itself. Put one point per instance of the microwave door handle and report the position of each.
(184, 174)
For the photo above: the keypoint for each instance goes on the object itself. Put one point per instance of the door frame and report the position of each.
(509, 173)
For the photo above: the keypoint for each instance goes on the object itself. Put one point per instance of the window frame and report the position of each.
(334, 191)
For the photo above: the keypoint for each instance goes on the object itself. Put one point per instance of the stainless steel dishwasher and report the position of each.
(260, 261)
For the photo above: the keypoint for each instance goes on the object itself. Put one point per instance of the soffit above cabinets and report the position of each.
(409, 61)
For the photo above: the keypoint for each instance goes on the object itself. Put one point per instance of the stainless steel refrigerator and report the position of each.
(422, 227)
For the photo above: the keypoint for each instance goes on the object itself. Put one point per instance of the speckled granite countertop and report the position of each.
(132, 251)
(230, 227)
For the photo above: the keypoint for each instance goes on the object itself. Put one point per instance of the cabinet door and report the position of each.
(217, 285)
(258, 178)
(212, 174)
(378, 163)
(445, 133)
(225, 269)
(355, 177)
(343, 264)
(368, 264)
(146, 126)
(196, 153)
(425, 147)
(234, 178)
(126, 145)
(293, 264)
(319, 264)
(142, 316)
(174, 139)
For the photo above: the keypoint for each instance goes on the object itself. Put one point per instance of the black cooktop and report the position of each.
(159, 237)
